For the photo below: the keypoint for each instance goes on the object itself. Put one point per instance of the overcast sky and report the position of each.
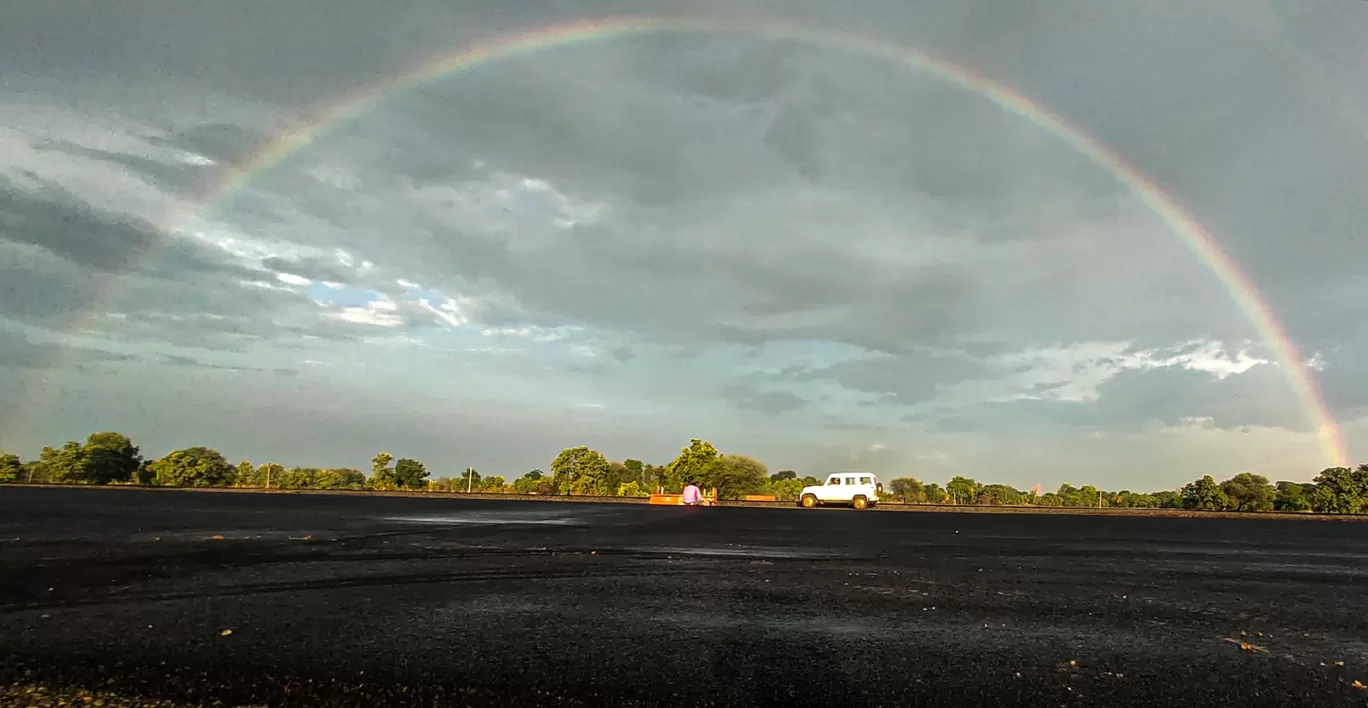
(816, 257)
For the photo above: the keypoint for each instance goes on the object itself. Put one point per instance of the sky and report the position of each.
(802, 252)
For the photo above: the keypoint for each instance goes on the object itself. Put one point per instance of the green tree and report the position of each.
(618, 474)
(1340, 490)
(1249, 492)
(1137, 500)
(35, 472)
(782, 475)
(145, 476)
(1000, 495)
(579, 470)
(1293, 496)
(1204, 494)
(11, 468)
(192, 467)
(653, 477)
(245, 475)
(908, 490)
(340, 478)
(64, 465)
(636, 472)
(1168, 499)
(786, 489)
(734, 476)
(470, 481)
(494, 484)
(632, 489)
(270, 474)
(410, 474)
(810, 481)
(962, 490)
(689, 464)
(382, 474)
(298, 478)
(534, 482)
(110, 457)
(935, 494)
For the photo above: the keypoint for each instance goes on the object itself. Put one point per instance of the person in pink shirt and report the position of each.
(692, 495)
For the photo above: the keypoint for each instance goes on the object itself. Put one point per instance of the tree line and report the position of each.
(1336, 490)
(112, 458)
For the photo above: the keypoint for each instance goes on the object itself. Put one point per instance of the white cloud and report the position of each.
(381, 312)
(1074, 372)
(448, 311)
(264, 285)
(292, 279)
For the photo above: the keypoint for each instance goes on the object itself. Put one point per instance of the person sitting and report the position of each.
(693, 496)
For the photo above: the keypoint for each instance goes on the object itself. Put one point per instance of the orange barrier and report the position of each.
(760, 497)
(678, 499)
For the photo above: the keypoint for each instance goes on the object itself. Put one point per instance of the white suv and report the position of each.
(858, 489)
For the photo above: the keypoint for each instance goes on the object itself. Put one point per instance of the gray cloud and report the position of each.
(192, 362)
(1139, 399)
(770, 402)
(54, 219)
(221, 142)
(17, 351)
(311, 268)
(172, 176)
(911, 378)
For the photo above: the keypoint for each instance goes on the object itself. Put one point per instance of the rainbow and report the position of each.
(469, 56)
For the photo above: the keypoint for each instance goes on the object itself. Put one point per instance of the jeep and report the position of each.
(860, 490)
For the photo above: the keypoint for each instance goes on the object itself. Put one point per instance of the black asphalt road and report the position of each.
(337, 600)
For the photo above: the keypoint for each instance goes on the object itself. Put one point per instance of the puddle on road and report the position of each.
(734, 552)
(489, 519)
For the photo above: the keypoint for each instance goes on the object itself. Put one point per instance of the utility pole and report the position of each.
(470, 477)
(268, 476)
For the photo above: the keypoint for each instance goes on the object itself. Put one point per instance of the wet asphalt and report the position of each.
(133, 597)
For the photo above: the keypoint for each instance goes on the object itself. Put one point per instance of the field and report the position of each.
(305, 599)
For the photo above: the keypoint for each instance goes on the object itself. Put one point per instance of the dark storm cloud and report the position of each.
(161, 288)
(36, 286)
(169, 175)
(1344, 378)
(17, 351)
(180, 360)
(769, 402)
(913, 377)
(660, 151)
(54, 219)
(67, 263)
(221, 142)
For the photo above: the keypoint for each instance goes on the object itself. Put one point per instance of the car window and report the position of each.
(866, 480)
(834, 480)
(850, 480)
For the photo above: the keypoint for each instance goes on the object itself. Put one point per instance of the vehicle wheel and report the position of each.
(809, 501)
(860, 502)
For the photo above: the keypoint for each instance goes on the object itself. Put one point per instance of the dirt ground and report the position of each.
(111, 597)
